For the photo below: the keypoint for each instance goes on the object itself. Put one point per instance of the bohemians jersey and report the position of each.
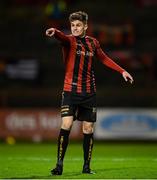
(78, 56)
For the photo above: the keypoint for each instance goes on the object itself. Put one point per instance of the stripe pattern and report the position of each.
(79, 75)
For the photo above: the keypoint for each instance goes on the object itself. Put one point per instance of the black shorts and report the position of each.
(81, 107)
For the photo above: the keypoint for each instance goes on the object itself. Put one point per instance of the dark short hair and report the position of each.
(80, 15)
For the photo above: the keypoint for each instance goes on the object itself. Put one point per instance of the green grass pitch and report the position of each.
(110, 161)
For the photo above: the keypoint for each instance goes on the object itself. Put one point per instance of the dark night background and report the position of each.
(31, 66)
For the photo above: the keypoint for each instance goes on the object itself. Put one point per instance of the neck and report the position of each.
(82, 35)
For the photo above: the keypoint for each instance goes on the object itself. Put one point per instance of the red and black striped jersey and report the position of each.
(78, 56)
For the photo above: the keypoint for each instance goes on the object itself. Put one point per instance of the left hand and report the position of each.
(127, 77)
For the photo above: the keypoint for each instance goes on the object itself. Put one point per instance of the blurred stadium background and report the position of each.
(32, 71)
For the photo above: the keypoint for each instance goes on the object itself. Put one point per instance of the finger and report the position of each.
(131, 80)
(49, 32)
(125, 78)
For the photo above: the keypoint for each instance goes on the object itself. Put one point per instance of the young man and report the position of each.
(79, 94)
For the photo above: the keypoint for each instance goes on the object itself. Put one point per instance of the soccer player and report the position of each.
(79, 93)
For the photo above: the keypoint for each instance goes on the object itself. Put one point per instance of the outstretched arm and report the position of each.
(58, 35)
(111, 64)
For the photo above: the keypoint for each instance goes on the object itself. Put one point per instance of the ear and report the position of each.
(85, 27)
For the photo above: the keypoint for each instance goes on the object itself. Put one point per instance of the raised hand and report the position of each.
(50, 32)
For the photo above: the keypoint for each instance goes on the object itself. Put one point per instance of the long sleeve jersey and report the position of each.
(78, 56)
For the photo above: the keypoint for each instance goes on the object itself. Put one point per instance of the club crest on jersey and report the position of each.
(86, 53)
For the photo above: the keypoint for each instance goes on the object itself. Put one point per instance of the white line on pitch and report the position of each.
(79, 159)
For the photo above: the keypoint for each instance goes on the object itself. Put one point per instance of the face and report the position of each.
(78, 28)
